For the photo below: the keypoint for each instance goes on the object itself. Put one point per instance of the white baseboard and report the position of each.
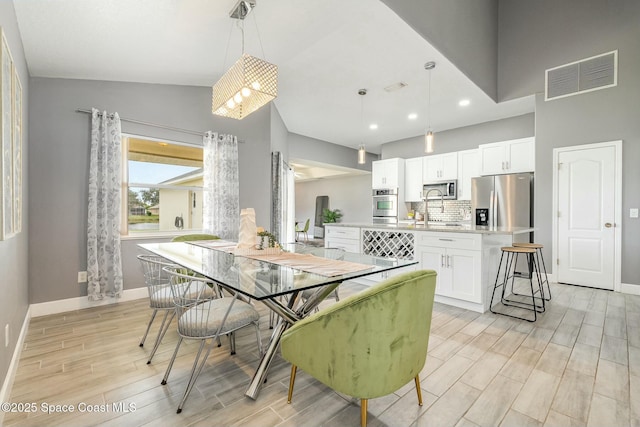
(628, 288)
(71, 304)
(5, 392)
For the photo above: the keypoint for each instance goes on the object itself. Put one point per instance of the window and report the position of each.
(163, 180)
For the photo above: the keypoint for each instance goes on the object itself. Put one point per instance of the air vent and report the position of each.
(597, 72)
(396, 86)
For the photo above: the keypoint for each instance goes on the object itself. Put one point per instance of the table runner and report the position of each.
(306, 262)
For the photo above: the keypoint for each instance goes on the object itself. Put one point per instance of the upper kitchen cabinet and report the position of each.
(440, 167)
(513, 156)
(468, 167)
(413, 180)
(388, 173)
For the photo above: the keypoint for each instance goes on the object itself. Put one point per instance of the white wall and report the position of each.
(352, 195)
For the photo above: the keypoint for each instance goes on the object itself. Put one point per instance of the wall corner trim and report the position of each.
(5, 392)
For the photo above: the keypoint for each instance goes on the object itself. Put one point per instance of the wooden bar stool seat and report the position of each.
(510, 258)
(540, 259)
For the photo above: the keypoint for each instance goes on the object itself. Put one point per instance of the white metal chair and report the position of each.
(160, 297)
(201, 318)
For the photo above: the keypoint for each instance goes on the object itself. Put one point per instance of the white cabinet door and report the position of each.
(413, 180)
(387, 173)
(492, 158)
(514, 156)
(464, 270)
(468, 167)
(521, 155)
(378, 174)
(449, 166)
(440, 167)
(431, 168)
(433, 258)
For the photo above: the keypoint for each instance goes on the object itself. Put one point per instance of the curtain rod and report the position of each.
(192, 132)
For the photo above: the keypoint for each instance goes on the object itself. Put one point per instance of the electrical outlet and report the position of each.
(633, 213)
(82, 276)
(6, 335)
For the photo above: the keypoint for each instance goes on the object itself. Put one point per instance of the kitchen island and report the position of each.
(465, 256)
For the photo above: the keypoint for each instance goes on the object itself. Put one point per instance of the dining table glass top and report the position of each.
(265, 278)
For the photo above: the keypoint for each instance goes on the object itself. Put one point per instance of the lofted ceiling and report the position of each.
(325, 50)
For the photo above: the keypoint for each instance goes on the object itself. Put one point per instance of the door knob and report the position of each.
(608, 225)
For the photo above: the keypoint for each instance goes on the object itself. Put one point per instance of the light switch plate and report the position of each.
(633, 213)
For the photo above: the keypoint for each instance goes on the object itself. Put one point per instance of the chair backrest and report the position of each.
(156, 279)
(194, 237)
(306, 225)
(370, 344)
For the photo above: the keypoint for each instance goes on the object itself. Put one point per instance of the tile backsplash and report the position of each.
(454, 210)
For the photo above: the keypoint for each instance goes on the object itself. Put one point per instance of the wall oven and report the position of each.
(385, 206)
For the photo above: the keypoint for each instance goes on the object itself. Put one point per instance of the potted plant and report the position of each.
(329, 215)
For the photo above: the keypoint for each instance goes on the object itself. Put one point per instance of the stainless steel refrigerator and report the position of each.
(502, 200)
(505, 201)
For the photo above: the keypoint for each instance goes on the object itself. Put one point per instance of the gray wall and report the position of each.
(303, 147)
(14, 263)
(352, 195)
(464, 31)
(279, 133)
(464, 138)
(58, 166)
(533, 37)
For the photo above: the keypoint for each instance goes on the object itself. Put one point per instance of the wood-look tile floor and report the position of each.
(578, 365)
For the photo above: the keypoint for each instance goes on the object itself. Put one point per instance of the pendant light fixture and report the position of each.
(362, 153)
(249, 84)
(428, 137)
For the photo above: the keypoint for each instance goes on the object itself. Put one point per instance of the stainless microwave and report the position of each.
(447, 190)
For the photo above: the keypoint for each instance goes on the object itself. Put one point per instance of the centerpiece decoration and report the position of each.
(254, 240)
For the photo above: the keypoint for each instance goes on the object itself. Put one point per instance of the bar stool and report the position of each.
(510, 261)
(538, 247)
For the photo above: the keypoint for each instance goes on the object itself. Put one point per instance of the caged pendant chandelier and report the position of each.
(428, 137)
(362, 152)
(249, 84)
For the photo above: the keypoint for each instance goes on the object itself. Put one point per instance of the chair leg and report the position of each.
(418, 390)
(153, 316)
(232, 343)
(363, 412)
(164, 326)
(173, 358)
(195, 372)
(292, 380)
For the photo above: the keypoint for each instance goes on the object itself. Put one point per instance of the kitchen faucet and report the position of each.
(426, 201)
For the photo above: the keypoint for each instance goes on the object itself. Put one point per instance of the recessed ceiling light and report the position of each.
(373, 126)
(464, 103)
(413, 116)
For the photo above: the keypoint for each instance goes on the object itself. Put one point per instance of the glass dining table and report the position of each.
(276, 285)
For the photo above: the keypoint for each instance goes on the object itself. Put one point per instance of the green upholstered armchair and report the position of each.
(194, 237)
(370, 344)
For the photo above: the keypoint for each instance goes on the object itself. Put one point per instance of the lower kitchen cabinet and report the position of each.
(345, 238)
(459, 271)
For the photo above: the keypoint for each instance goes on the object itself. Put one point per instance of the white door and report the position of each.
(586, 217)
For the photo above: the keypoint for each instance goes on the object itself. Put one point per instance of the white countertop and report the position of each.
(462, 228)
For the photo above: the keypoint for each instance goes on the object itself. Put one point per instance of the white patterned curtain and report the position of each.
(104, 263)
(221, 192)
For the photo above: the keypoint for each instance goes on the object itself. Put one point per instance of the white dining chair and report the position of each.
(202, 318)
